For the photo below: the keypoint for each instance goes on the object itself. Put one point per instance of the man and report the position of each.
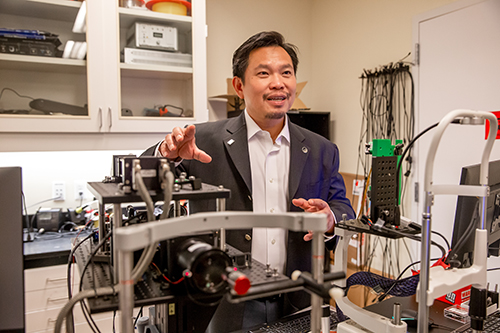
(268, 163)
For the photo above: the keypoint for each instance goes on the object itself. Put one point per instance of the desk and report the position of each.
(49, 249)
(436, 312)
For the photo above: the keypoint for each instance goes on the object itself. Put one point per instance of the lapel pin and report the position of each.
(304, 150)
(230, 142)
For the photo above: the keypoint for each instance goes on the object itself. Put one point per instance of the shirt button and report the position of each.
(271, 180)
(272, 210)
(273, 241)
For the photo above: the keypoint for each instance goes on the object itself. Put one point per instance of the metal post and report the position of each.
(126, 290)
(161, 317)
(117, 223)
(102, 221)
(177, 208)
(221, 206)
(423, 309)
(318, 257)
(396, 314)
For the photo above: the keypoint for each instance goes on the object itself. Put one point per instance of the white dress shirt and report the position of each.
(270, 165)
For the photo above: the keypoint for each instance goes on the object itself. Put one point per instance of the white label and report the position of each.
(358, 186)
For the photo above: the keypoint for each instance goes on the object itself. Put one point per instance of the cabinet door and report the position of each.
(144, 83)
(27, 74)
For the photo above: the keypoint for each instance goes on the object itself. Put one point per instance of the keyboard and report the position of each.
(295, 323)
(491, 325)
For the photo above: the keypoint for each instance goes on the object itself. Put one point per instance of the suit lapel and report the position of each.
(236, 145)
(299, 153)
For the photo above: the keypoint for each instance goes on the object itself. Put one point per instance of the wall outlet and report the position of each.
(80, 190)
(59, 191)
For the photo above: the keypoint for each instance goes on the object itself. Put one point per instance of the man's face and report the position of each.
(270, 83)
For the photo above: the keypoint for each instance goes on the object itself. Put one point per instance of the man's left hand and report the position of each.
(316, 206)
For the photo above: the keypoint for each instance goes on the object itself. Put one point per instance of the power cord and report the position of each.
(386, 293)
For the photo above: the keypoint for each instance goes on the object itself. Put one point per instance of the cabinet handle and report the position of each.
(110, 118)
(56, 279)
(100, 118)
(57, 299)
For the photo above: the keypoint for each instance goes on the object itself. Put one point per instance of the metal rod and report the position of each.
(177, 208)
(396, 314)
(221, 206)
(126, 294)
(102, 218)
(117, 223)
(423, 309)
(318, 257)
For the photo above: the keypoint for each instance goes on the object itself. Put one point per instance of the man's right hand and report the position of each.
(181, 143)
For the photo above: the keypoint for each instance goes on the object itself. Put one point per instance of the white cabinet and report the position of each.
(33, 77)
(46, 293)
(102, 81)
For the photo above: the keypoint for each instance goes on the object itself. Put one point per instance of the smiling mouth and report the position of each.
(276, 98)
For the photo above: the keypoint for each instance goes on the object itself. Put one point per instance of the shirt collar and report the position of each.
(253, 128)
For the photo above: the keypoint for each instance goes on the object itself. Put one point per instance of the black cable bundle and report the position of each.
(387, 101)
(388, 108)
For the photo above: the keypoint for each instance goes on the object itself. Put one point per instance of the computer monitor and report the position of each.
(468, 211)
(317, 122)
(11, 251)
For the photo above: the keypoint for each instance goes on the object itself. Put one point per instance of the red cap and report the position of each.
(241, 285)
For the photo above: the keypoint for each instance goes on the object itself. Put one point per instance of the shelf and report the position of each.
(156, 72)
(129, 16)
(42, 116)
(101, 81)
(59, 10)
(42, 64)
(187, 120)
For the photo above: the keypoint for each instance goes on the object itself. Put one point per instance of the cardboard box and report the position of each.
(235, 104)
(298, 104)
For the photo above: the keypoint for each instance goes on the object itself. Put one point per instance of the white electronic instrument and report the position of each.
(152, 36)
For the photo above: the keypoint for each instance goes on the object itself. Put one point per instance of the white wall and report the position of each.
(41, 169)
(231, 22)
(350, 36)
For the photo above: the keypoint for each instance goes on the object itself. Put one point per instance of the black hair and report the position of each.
(261, 39)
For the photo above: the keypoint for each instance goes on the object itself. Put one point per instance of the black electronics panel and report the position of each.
(317, 122)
